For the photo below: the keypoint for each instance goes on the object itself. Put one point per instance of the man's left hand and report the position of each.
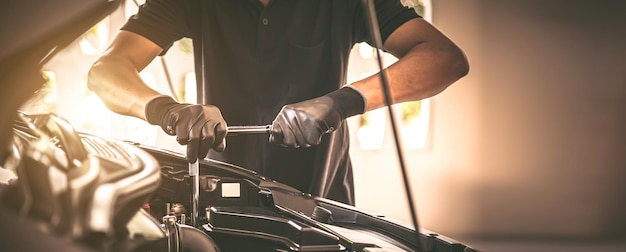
(304, 123)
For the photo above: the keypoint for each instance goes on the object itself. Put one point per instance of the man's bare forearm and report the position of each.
(116, 81)
(428, 63)
(426, 70)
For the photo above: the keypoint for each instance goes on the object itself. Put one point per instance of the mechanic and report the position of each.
(279, 62)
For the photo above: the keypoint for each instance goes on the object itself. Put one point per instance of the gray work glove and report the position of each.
(304, 123)
(200, 127)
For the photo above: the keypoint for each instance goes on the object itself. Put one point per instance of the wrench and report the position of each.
(194, 168)
(244, 130)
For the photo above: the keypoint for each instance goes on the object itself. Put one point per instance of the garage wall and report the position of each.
(532, 143)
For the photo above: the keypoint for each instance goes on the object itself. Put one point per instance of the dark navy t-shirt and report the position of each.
(251, 60)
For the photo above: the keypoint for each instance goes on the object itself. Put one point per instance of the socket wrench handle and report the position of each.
(243, 130)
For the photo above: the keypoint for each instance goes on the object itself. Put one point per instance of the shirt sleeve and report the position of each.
(391, 14)
(161, 21)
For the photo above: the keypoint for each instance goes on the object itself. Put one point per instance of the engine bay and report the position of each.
(112, 195)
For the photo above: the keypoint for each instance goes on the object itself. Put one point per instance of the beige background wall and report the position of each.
(532, 143)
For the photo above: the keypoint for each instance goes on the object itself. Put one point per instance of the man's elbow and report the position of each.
(456, 67)
(94, 76)
(100, 73)
(460, 65)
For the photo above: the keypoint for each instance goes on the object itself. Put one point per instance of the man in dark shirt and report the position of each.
(279, 62)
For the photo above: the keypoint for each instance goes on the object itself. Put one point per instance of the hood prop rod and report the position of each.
(370, 14)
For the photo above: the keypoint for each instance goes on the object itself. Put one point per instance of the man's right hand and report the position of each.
(200, 127)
